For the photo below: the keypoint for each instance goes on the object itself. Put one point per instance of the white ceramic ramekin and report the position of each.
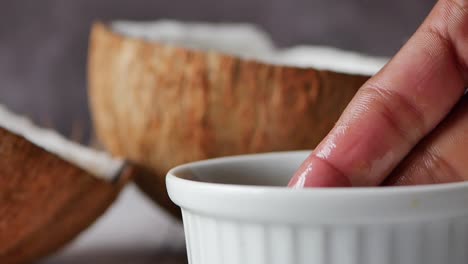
(236, 211)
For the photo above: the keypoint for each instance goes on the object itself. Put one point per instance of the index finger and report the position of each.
(397, 107)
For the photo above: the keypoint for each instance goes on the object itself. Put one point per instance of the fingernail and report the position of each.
(316, 172)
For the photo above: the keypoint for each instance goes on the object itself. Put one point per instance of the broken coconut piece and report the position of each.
(50, 189)
(166, 93)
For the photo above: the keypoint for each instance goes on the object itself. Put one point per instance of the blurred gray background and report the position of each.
(43, 44)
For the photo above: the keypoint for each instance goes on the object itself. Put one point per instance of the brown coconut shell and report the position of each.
(161, 105)
(45, 201)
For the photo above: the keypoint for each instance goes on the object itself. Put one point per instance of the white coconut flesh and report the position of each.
(95, 162)
(250, 42)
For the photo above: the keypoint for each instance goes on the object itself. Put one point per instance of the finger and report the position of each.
(441, 157)
(397, 107)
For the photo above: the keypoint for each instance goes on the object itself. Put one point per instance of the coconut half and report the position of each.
(166, 93)
(50, 189)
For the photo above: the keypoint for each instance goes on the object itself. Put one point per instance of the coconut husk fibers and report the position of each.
(162, 105)
(45, 201)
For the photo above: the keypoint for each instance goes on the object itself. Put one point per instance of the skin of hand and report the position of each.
(409, 123)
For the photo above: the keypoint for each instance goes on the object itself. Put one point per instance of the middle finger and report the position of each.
(441, 157)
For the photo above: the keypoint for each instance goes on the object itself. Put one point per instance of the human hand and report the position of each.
(409, 123)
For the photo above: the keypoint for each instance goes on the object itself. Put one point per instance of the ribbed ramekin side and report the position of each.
(212, 240)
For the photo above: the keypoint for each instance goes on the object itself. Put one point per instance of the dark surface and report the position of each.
(123, 256)
(43, 44)
(132, 231)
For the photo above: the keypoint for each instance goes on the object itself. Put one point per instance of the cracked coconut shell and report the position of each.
(45, 201)
(161, 105)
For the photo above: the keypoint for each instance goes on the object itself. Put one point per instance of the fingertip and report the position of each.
(317, 172)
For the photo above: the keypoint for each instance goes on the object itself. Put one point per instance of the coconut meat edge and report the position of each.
(95, 162)
(247, 41)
